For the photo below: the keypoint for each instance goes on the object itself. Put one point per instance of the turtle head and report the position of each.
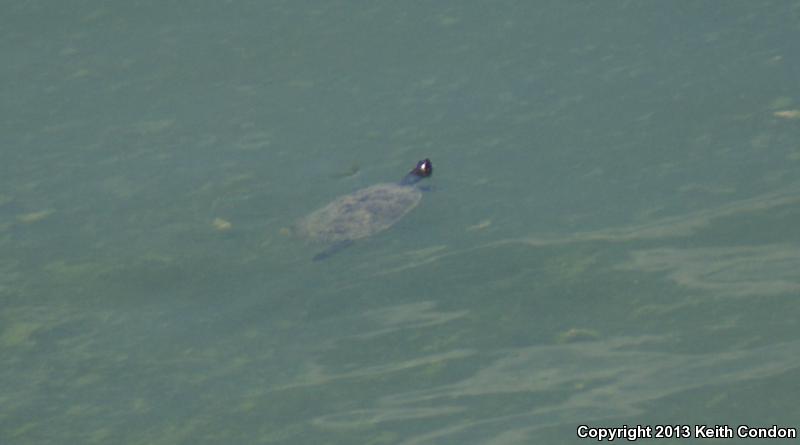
(423, 169)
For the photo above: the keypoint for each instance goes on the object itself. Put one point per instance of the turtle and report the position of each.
(364, 212)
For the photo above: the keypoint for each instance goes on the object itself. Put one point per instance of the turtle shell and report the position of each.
(360, 214)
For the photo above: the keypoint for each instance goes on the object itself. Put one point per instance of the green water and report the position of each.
(611, 235)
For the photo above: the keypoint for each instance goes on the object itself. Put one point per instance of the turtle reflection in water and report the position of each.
(365, 212)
